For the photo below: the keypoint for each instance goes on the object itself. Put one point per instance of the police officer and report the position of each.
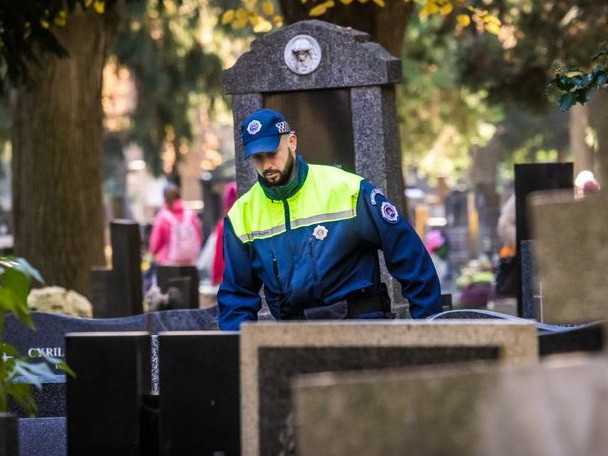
(310, 235)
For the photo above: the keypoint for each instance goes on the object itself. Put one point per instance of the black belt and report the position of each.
(371, 301)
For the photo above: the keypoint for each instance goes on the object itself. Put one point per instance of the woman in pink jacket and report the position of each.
(176, 236)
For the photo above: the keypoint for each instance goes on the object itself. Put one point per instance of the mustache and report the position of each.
(271, 171)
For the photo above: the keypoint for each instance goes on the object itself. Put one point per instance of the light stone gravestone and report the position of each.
(337, 89)
(555, 409)
(572, 255)
(273, 353)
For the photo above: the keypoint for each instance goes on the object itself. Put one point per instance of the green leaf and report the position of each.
(21, 393)
(10, 302)
(566, 101)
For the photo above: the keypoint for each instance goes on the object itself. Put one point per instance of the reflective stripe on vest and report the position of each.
(329, 194)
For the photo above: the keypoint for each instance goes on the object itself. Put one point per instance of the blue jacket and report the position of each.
(314, 243)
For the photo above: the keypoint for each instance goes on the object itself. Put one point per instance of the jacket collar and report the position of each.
(296, 181)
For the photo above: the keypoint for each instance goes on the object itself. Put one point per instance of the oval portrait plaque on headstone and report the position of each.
(302, 54)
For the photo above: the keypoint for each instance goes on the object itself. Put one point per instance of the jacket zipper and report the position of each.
(275, 271)
(287, 221)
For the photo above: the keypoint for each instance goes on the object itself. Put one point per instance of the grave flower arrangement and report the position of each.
(18, 374)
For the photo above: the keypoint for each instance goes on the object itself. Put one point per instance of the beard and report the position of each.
(277, 178)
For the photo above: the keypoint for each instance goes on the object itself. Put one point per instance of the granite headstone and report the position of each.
(273, 353)
(529, 178)
(340, 98)
(572, 253)
(200, 400)
(558, 408)
(104, 401)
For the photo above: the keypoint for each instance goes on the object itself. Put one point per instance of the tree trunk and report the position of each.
(57, 146)
(385, 25)
(578, 125)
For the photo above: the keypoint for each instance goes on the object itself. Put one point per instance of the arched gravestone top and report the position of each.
(349, 59)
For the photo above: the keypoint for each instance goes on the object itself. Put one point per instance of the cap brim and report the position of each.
(261, 145)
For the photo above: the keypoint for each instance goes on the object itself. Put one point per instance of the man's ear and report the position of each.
(293, 142)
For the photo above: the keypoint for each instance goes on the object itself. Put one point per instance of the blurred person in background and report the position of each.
(217, 270)
(176, 236)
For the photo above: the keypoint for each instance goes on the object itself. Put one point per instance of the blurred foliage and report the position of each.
(440, 120)
(534, 37)
(575, 85)
(176, 51)
(263, 16)
(26, 29)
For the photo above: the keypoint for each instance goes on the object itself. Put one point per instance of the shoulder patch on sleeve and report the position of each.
(372, 196)
(389, 212)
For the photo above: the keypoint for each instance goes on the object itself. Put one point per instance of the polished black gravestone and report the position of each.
(9, 443)
(200, 394)
(534, 177)
(105, 401)
(323, 121)
(118, 292)
(50, 329)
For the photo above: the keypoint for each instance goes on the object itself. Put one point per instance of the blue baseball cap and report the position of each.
(262, 130)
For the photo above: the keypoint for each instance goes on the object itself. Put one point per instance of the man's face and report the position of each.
(275, 167)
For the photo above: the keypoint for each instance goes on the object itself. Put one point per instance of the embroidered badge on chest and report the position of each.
(389, 212)
(320, 232)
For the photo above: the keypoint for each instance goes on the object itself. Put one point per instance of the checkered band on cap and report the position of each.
(283, 127)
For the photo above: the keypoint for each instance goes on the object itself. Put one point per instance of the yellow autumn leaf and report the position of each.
(88, 3)
(277, 21)
(44, 24)
(346, 2)
(262, 26)
(492, 28)
(99, 6)
(446, 9)
(321, 8)
(463, 20)
(228, 16)
(239, 24)
(242, 15)
(268, 8)
(379, 3)
(491, 20)
(429, 8)
(250, 4)
(363, 1)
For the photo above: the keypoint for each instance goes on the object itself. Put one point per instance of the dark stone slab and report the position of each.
(530, 283)
(127, 289)
(555, 339)
(9, 441)
(323, 121)
(200, 394)
(42, 437)
(104, 402)
(348, 59)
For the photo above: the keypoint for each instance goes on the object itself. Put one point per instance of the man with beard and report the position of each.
(310, 235)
